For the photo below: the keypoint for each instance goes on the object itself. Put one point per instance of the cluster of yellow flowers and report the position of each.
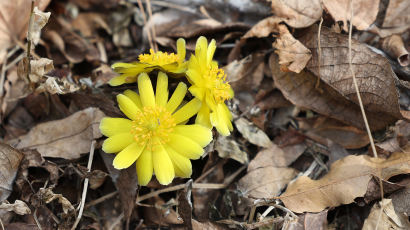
(156, 136)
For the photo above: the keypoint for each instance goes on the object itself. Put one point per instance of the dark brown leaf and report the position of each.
(10, 160)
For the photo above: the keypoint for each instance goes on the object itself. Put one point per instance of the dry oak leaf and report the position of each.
(292, 54)
(375, 78)
(347, 179)
(67, 138)
(264, 27)
(18, 207)
(364, 12)
(10, 160)
(397, 15)
(296, 13)
(301, 90)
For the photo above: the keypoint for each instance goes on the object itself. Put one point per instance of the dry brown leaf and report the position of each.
(394, 46)
(300, 90)
(364, 12)
(397, 15)
(67, 138)
(297, 14)
(252, 133)
(347, 179)
(276, 156)
(375, 78)
(228, 147)
(47, 196)
(40, 19)
(14, 20)
(388, 219)
(10, 160)
(292, 54)
(401, 201)
(38, 69)
(185, 204)
(264, 27)
(18, 207)
(322, 128)
(127, 186)
(57, 86)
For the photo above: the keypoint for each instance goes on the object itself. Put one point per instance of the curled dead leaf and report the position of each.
(252, 133)
(67, 138)
(394, 46)
(292, 54)
(386, 218)
(264, 27)
(47, 196)
(227, 147)
(18, 207)
(40, 19)
(347, 179)
(10, 160)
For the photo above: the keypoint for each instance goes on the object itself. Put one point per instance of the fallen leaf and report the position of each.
(47, 196)
(38, 69)
(252, 133)
(10, 160)
(196, 225)
(375, 78)
(292, 54)
(18, 207)
(67, 138)
(264, 27)
(347, 179)
(276, 156)
(322, 128)
(387, 219)
(40, 19)
(394, 47)
(14, 20)
(401, 201)
(397, 16)
(364, 12)
(227, 147)
(298, 14)
(161, 213)
(57, 86)
(127, 186)
(185, 205)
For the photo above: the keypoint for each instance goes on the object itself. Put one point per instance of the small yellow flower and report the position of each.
(155, 135)
(209, 85)
(172, 63)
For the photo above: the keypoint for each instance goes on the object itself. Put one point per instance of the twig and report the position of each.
(1, 223)
(227, 181)
(319, 52)
(2, 77)
(30, 24)
(153, 26)
(144, 17)
(116, 221)
(362, 107)
(84, 195)
(36, 219)
(101, 199)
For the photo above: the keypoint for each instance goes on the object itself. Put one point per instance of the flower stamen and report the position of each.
(158, 58)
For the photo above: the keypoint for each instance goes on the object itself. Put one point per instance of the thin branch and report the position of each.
(84, 195)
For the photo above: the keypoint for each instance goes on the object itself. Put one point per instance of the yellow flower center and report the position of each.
(215, 79)
(153, 125)
(158, 58)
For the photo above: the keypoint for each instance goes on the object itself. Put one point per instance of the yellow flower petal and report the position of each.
(197, 133)
(176, 97)
(122, 65)
(210, 51)
(122, 79)
(198, 92)
(127, 156)
(144, 167)
(127, 106)
(134, 97)
(146, 91)
(201, 48)
(181, 50)
(202, 117)
(163, 168)
(185, 146)
(187, 111)
(111, 126)
(182, 165)
(220, 118)
(161, 96)
(117, 142)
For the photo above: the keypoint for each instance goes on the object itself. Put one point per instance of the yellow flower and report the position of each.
(155, 135)
(209, 85)
(173, 63)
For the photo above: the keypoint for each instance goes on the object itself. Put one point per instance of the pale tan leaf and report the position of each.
(292, 54)
(227, 147)
(18, 207)
(388, 219)
(10, 160)
(38, 69)
(347, 179)
(364, 12)
(67, 138)
(297, 14)
(47, 195)
(57, 86)
(394, 47)
(252, 133)
(40, 19)
(264, 27)
(397, 15)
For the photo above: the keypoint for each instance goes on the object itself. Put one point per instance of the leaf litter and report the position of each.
(298, 155)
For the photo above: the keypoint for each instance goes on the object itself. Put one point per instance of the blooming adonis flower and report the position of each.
(172, 63)
(209, 85)
(155, 135)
